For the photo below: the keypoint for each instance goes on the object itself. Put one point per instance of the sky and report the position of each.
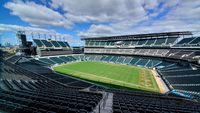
(72, 20)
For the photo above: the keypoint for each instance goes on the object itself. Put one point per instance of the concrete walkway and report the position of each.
(106, 105)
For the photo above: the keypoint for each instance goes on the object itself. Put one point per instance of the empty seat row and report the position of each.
(139, 42)
(41, 43)
(123, 103)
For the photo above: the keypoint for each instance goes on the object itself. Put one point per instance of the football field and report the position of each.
(109, 73)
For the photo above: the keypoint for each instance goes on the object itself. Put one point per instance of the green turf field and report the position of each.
(115, 74)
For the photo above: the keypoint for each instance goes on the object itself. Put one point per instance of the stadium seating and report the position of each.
(120, 60)
(150, 42)
(191, 41)
(46, 60)
(153, 63)
(182, 78)
(138, 42)
(62, 44)
(172, 53)
(30, 85)
(108, 58)
(57, 60)
(142, 42)
(22, 90)
(44, 101)
(51, 43)
(55, 44)
(171, 41)
(142, 62)
(165, 45)
(195, 41)
(52, 47)
(128, 103)
(145, 62)
(66, 59)
(14, 59)
(30, 92)
(127, 60)
(192, 89)
(39, 43)
(160, 41)
(134, 61)
(55, 76)
(114, 59)
(98, 58)
(47, 43)
(38, 62)
(185, 41)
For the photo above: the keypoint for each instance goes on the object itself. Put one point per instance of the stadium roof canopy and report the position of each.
(136, 36)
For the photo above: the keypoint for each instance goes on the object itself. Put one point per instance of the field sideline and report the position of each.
(115, 74)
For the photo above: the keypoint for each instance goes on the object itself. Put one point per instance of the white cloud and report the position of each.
(37, 15)
(101, 10)
(15, 28)
(29, 30)
(112, 17)
(178, 16)
(186, 11)
(97, 30)
(50, 33)
(151, 4)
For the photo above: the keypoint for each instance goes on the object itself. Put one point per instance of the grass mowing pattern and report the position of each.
(115, 74)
